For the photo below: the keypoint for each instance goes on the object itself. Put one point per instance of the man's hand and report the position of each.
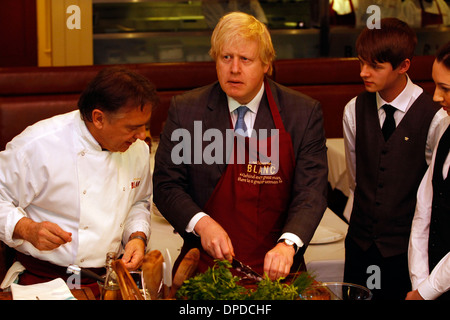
(42, 235)
(134, 252)
(414, 295)
(214, 238)
(278, 261)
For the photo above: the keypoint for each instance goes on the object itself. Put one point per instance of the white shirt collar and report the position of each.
(403, 101)
(252, 105)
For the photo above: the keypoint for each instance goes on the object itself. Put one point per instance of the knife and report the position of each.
(73, 268)
(245, 269)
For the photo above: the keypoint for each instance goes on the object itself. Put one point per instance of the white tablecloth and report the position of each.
(326, 260)
(337, 168)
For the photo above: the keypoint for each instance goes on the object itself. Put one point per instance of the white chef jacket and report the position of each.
(402, 103)
(56, 171)
(430, 283)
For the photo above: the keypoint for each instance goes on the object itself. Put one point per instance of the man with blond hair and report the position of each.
(262, 212)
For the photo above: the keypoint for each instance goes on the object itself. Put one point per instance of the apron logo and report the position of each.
(262, 168)
(230, 149)
(135, 183)
(259, 174)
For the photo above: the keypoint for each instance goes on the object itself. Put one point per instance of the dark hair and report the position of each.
(114, 88)
(393, 42)
(443, 55)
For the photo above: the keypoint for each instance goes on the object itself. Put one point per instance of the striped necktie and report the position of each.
(241, 127)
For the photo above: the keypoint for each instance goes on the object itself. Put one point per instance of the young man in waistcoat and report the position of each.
(389, 134)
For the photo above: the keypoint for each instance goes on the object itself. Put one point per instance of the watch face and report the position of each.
(289, 242)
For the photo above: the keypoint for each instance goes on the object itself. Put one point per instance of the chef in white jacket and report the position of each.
(76, 186)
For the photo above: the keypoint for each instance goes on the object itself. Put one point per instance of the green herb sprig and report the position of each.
(218, 283)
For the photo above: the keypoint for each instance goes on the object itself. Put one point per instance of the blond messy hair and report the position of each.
(235, 26)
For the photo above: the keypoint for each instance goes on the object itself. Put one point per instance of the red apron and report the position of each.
(249, 202)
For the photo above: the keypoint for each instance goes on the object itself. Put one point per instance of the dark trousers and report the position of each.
(387, 278)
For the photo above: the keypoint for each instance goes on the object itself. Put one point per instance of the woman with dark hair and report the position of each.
(429, 247)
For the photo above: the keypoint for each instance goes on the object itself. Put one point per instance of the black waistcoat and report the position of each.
(439, 240)
(388, 174)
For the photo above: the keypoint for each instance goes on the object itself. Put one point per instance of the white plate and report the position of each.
(326, 235)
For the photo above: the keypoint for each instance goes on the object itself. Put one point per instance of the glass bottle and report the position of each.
(111, 289)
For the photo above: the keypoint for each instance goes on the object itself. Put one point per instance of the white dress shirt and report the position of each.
(430, 284)
(250, 116)
(56, 171)
(402, 103)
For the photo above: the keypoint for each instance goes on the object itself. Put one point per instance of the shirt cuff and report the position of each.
(141, 226)
(294, 238)
(427, 291)
(191, 225)
(11, 222)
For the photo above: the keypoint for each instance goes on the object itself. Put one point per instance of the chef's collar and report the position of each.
(87, 140)
(253, 105)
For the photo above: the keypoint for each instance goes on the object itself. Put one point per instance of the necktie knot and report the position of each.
(389, 110)
(241, 127)
(389, 123)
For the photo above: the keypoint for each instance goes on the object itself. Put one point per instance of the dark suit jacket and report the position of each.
(181, 191)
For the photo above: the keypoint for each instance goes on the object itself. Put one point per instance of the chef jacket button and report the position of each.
(83, 153)
(84, 191)
(82, 260)
(86, 227)
(121, 225)
(123, 188)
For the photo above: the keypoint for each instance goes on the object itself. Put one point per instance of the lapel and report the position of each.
(217, 117)
(264, 119)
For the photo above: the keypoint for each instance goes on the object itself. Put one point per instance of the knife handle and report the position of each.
(93, 275)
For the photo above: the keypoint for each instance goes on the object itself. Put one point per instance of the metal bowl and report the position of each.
(336, 291)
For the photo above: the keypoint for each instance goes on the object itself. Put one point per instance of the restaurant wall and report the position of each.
(36, 32)
(18, 38)
(64, 29)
